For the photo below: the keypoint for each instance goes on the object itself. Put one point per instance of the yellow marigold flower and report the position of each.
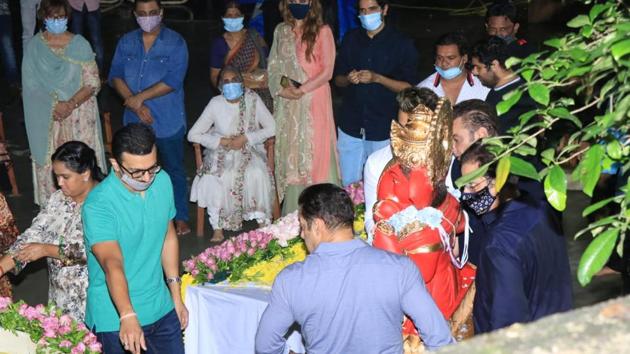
(187, 280)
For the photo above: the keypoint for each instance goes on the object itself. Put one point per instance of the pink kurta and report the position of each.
(319, 71)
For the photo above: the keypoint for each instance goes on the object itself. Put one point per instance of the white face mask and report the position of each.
(136, 185)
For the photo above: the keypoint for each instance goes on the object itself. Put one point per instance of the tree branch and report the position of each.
(573, 156)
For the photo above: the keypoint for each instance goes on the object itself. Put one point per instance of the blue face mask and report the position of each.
(233, 24)
(299, 11)
(450, 73)
(56, 26)
(371, 21)
(232, 90)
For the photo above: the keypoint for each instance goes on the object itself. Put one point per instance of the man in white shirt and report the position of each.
(452, 79)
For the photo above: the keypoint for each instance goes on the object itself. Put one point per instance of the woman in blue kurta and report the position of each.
(523, 272)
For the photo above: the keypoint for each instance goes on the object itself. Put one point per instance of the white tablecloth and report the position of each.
(224, 319)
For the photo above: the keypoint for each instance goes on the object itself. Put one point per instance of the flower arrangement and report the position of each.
(259, 255)
(52, 331)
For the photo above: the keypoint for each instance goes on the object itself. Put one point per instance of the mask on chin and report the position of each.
(449, 73)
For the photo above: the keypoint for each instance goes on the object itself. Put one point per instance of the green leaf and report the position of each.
(526, 150)
(556, 188)
(579, 21)
(554, 42)
(590, 168)
(565, 114)
(620, 49)
(596, 206)
(509, 100)
(614, 150)
(596, 255)
(596, 10)
(548, 73)
(527, 74)
(510, 62)
(465, 179)
(523, 168)
(539, 93)
(525, 117)
(578, 54)
(577, 72)
(586, 31)
(503, 171)
(548, 154)
(623, 27)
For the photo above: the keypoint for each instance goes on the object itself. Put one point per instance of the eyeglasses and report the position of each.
(140, 173)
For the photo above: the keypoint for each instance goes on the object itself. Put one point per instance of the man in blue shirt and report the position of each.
(131, 248)
(373, 64)
(523, 270)
(346, 296)
(148, 71)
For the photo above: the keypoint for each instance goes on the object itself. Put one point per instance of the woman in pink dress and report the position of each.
(300, 65)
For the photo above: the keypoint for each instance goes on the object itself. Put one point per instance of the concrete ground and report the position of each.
(423, 26)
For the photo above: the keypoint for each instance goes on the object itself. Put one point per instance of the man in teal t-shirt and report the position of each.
(132, 247)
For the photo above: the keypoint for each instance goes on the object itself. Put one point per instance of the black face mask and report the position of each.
(480, 202)
(299, 11)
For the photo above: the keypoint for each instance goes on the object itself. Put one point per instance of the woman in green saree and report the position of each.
(60, 81)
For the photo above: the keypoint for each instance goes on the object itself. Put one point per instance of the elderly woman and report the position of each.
(57, 232)
(235, 183)
(60, 81)
(242, 48)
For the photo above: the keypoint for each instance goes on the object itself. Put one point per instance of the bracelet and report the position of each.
(171, 280)
(130, 314)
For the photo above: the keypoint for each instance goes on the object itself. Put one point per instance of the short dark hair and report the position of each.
(134, 139)
(78, 157)
(380, 3)
(48, 6)
(476, 114)
(411, 97)
(158, 2)
(329, 203)
(456, 38)
(478, 153)
(494, 48)
(502, 8)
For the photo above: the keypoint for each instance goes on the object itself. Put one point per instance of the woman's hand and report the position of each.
(62, 110)
(34, 251)
(291, 93)
(238, 142)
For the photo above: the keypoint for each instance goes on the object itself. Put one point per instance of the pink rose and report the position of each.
(65, 320)
(65, 344)
(65, 330)
(251, 252)
(4, 302)
(96, 347)
(49, 333)
(79, 349)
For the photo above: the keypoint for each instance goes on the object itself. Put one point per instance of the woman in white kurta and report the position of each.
(234, 183)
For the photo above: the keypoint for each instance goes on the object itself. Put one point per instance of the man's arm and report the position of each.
(170, 264)
(418, 304)
(275, 321)
(367, 77)
(110, 258)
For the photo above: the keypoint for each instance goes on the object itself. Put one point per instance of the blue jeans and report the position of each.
(353, 152)
(7, 53)
(171, 154)
(93, 21)
(163, 336)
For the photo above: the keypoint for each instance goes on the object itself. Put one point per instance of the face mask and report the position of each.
(480, 202)
(233, 24)
(299, 11)
(450, 73)
(56, 26)
(136, 185)
(149, 23)
(232, 90)
(371, 21)
(508, 39)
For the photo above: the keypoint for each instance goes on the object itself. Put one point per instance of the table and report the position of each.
(223, 319)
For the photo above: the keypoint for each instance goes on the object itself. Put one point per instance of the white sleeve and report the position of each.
(201, 131)
(266, 121)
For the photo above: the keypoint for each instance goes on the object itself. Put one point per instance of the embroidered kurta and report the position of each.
(234, 185)
(59, 223)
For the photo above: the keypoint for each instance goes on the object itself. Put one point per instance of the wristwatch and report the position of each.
(171, 280)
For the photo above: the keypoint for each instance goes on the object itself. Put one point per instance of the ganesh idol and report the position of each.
(418, 216)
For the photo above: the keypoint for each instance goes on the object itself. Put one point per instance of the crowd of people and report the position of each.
(454, 261)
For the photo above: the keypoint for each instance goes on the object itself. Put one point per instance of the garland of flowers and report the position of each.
(48, 328)
(259, 255)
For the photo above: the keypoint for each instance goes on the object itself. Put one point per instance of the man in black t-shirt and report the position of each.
(502, 21)
(488, 64)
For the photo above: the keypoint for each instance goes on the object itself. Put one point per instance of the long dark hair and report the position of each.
(78, 157)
